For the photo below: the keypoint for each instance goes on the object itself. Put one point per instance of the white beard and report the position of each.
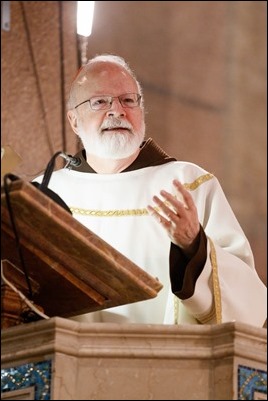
(113, 145)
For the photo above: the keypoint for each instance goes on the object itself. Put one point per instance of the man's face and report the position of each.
(113, 133)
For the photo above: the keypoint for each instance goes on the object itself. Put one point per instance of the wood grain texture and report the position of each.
(74, 270)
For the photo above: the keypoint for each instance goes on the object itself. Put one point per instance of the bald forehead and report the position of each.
(102, 78)
(103, 68)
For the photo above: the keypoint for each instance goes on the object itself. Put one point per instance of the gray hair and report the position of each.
(110, 58)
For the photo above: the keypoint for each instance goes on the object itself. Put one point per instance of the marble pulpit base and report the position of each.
(68, 360)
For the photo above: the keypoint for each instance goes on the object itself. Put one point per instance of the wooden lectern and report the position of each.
(71, 270)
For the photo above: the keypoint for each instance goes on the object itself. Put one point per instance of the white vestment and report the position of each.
(114, 207)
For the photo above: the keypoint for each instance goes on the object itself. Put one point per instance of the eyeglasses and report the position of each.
(103, 102)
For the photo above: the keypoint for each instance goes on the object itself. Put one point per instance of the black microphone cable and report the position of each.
(71, 161)
(45, 190)
(43, 187)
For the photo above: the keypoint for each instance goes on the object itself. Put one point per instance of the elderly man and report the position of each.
(169, 217)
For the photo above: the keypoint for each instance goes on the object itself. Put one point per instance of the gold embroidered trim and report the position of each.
(176, 309)
(206, 318)
(134, 212)
(200, 180)
(110, 213)
(216, 285)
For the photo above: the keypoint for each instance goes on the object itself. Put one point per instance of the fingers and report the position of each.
(166, 207)
(173, 206)
(186, 196)
(159, 217)
(176, 212)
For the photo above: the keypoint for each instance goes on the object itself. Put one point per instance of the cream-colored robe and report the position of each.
(114, 207)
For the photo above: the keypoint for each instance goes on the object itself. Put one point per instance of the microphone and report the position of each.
(71, 160)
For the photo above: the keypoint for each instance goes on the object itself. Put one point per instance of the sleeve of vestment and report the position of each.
(185, 272)
(221, 284)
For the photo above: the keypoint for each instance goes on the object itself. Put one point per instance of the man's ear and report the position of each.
(72, 117)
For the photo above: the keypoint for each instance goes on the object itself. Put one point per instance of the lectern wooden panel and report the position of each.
(73, 270)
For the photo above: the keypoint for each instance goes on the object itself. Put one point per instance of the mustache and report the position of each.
(115, 123)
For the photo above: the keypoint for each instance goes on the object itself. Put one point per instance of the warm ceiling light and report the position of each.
(85, 12)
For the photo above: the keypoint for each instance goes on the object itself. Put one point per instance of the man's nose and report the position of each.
(116, 109)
